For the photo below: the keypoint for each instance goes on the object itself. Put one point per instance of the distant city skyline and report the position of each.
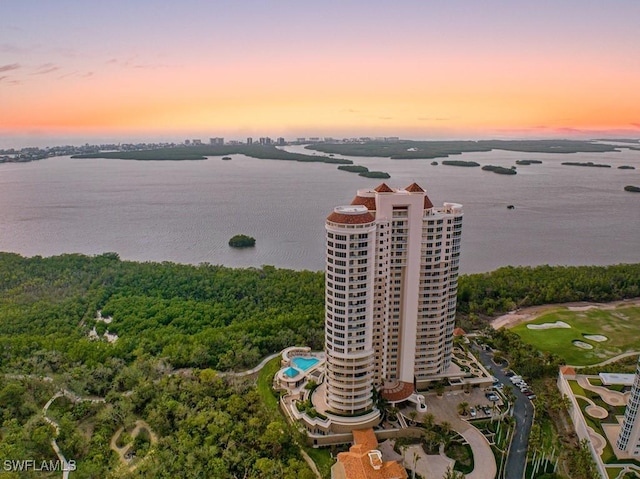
(166, 71)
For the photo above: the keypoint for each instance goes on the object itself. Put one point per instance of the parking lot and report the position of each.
(521, 384)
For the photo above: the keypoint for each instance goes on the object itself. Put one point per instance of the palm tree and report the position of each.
(463, 408)
(413, 415)
(428, 420)
(445, 432)
(393, 413)
(451, 474)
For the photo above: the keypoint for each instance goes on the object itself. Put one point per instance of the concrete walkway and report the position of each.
(124, 450)
(484, 463)
(251, 371)
(613, 398)
(445, 409)
(427, 465)
(610, 360)
(66, 465)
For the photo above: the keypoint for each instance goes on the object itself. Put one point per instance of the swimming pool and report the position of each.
(304, 363)
(291, 372)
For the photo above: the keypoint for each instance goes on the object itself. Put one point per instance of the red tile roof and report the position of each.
(383, 188)
(459, 332)
(357, 464)
(369, 202)
(366, 438)
(345, 219)
(398, 393)
(567, 371)
(427, 203)
(414, 188)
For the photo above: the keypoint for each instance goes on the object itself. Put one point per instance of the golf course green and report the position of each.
(593, 334)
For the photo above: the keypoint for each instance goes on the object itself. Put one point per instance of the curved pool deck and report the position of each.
(304, 363)
(298, 363)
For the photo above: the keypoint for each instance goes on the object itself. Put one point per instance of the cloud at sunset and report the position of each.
(229, 68)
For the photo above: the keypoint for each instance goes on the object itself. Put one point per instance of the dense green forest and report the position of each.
(213, 316)
(508, 288)
(203, 316)
(169, 317)
(203, 425)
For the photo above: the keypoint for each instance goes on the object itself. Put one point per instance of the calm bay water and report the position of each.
(186, 211)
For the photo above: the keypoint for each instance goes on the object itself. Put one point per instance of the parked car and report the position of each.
(473, 412)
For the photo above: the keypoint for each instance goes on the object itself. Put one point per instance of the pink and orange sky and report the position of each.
(417, 69)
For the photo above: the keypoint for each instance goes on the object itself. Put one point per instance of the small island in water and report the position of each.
(242, 241)
(632, 189)
(501, 170)
(460, 163)
(364, 171)
(588, 164)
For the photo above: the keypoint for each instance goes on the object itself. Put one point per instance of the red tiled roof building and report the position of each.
(364, 460)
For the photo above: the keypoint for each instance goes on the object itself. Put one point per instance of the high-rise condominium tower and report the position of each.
(629, 438)
(391, 283)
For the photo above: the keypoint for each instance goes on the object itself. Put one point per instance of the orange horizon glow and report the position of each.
(455, 77)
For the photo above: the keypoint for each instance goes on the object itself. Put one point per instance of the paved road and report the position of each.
(610, 360)
(523, 414)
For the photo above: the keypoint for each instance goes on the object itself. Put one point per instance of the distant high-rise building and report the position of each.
(216, 141)
(280, 141)
(196, 142)
(629, 438)
(249, 141)
(187, 142)
(390, 288)
(265, 140)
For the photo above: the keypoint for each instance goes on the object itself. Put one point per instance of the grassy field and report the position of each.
(265, 378)
(620, 326)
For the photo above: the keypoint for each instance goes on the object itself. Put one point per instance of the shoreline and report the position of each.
(530, 313)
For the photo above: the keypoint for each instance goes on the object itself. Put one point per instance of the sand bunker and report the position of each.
(599, 338)
(557, 324)
(582, 344)
(582, 308)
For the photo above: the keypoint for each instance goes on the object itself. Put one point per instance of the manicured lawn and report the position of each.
(577, 389)
(619, 325)
(265, 379)
(322, 458)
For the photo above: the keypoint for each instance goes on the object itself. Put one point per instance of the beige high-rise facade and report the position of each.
(629, 438)
(391, 284)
